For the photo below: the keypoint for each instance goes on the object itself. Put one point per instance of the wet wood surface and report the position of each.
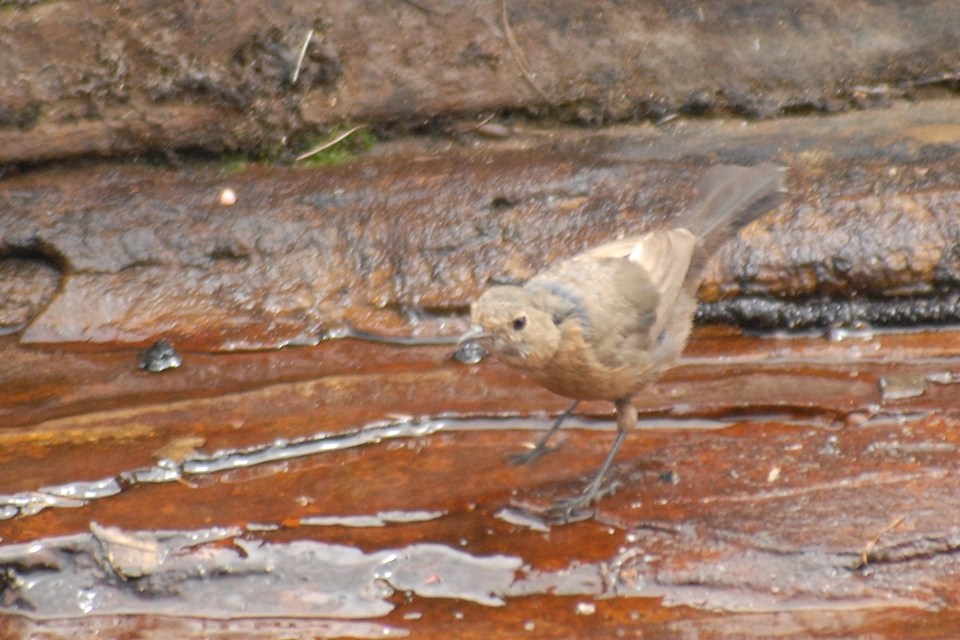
(402, 239)
(777, 487)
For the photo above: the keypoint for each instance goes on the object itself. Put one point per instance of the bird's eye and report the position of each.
(519, 323)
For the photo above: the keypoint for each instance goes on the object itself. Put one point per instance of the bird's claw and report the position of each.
(569, 511)
(577, 508)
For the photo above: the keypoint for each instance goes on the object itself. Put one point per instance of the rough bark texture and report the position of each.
(111, 78)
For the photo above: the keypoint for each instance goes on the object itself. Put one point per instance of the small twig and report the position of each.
(869, 547)
(481, 123)
(518, 55)
(303, 53)
(417, 5)
(526, 131)
(327, 145)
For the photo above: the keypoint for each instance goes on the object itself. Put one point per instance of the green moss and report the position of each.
(234, 163)
(343, 151)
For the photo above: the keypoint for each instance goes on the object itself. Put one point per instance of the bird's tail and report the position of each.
(729, 198)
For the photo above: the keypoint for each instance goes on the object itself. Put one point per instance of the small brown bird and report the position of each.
(604, 324)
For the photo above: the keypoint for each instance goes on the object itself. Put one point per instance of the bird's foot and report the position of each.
(578, 508)
(531, 454)
(569, 511)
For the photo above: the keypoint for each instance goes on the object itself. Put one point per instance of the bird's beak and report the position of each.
(474, 334)
(471, 351)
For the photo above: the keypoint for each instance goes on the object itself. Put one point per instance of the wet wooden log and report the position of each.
(401, 240)
(98, 79)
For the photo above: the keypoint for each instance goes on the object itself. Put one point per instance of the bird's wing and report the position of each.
(663, 255)
(612, 300)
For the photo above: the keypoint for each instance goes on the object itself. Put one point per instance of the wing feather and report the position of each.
(663, 255)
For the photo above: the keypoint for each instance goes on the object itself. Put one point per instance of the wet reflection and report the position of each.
(192, 573)
(768, 475)
(161, 356)
(381, 519)
(224, 572)
(180, 458)
(168, 469)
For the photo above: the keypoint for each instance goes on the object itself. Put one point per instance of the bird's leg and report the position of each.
(541, 447)
(573, 509)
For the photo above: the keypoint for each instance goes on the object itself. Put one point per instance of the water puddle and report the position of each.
(186, 462)
(77, 494)
(224, 573)
(381, 519)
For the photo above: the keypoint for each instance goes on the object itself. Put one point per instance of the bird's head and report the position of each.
(512, 326)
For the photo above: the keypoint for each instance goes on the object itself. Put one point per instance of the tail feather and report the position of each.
(729, 198)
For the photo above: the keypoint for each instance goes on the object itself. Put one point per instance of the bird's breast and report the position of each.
(575, 372)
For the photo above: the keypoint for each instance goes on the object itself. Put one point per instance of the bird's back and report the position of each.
(628, 305)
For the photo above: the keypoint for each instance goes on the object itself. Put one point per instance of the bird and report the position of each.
(606, 323)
